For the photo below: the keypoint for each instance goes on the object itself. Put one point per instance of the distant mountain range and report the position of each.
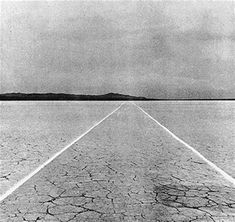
(62, 96)
(108, 97)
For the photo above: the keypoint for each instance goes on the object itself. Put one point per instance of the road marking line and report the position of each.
(22, 181)
(224, 174)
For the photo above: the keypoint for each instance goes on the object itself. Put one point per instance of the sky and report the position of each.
(157, 49)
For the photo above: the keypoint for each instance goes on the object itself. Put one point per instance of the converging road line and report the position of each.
(224, 174)
(22, 181)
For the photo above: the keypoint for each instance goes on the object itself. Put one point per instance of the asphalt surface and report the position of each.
(126, 169)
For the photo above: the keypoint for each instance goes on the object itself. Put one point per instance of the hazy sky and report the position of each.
(154, 49)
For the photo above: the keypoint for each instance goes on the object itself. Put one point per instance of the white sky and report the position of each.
(156, 49)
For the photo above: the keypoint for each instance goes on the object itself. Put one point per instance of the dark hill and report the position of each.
(62, 96)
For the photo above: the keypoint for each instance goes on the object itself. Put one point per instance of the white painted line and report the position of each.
(21, 182)
(224, 174)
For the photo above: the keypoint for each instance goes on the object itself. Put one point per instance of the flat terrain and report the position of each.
(31, 132)
(127, 168)
(208, 126)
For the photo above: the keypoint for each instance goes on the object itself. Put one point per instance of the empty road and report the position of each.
(127, 168)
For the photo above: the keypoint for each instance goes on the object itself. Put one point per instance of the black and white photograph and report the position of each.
(117, 111)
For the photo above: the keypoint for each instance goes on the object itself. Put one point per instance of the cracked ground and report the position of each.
(31, 132)
(126, 169)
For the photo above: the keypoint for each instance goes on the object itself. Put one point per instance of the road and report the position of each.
(127, 168)
(33, 131)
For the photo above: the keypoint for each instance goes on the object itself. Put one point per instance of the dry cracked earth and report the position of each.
(31, 132)
(126, 169)
(208, 126)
